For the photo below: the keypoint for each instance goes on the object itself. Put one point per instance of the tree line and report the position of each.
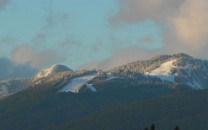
(152, 127)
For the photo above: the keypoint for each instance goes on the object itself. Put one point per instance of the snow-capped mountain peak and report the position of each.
(51, 71)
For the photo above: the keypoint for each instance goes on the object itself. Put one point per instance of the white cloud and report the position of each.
(132, 11)
(186, 29)
(190, 23)
(11, 70)
(186, 22)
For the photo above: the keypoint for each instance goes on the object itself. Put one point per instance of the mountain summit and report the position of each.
(51, 71)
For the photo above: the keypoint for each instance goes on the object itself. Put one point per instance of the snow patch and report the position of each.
(75, 84)
(164, 71)
(91, 87)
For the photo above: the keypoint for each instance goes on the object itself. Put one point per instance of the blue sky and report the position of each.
(100, 34)
(79, 30)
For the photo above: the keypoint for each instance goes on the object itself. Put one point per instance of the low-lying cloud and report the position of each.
(26, 54)
(10, 70)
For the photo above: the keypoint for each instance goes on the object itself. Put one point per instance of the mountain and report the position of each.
(179, 71)
(187, 110)
(44, 109)
(46, 76)
(175, 71)
(166, 90)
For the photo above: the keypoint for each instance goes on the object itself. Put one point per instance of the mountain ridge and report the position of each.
(171, 70)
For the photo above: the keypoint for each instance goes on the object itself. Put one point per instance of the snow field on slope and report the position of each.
(75, 84)
(164, 71)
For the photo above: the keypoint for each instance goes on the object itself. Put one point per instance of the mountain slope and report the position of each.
(134, 108)
(43, 108)
(187, 110)
(9, 87)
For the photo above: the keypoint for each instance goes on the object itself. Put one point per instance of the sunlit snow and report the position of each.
(46, 72)
(164, 71)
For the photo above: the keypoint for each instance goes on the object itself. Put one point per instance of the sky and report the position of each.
(35, 34)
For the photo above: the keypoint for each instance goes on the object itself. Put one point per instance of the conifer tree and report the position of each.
(176, 128)
(152, 127)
